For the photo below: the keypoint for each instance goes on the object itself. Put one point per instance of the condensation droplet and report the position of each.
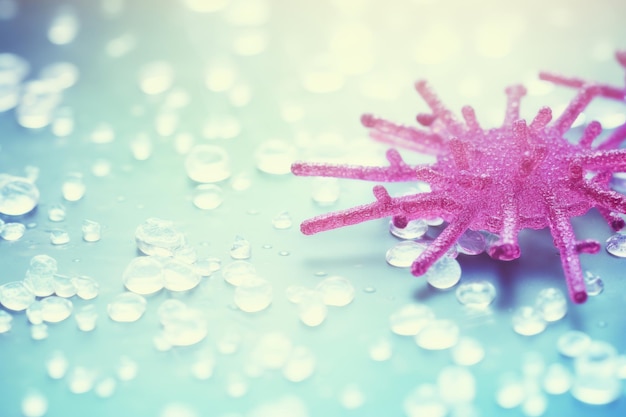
(275, 156)
(207, 196)
(240, 249)
(336, 291)
(207, 164)
(253, 294)
(73, 188)
(16, 296)
(282, 221)
(476, 294)
(573, 343)
(410, 319)
(616, 245)
(403, 254)
(12, 231)
(55, 309)
(126, 307)
(17, 195)
(158, 237)
(528, 321)
(438, 334)
(551, 304)
(144, 275)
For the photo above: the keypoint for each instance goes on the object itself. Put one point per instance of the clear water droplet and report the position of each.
(325, 191)
(179, 276)
(241, 248)
(144, 275)
(557, 380)
(381, 350)
(423, 401)
(471, 243)
(73, 188)
(410, 319)
(237, 272)
(16, 296)
(413, 230)
(282, 221)
(86, 287)
(56, 213)
(528, 321)
(12, 231)
(299, 365)
(551, 304)
(59, 237)
(34, 404)
(91, 231)
(17, 195)
(5, 321)
(467, 352)
(596, 380)
(158, 237)
(476, 294)
(55, 309)
(86, 318)
(438, 334)
(253, 294)
(81, 380)
(57, 365)
(126, 307)
(593, 284)
(616, 245)
(573, 343)
(456, 384)
(184, 326)
(156, 77)
(207, 196)
(312, 310)
(208, 164)
(403, 254)
(444, 273)
(275, 157)
(336, 291)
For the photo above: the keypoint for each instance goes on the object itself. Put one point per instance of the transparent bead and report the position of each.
(91, 231)
(73, 188)
(438, 334)
(55, 309)
(275, 157)
(573, 343)
(471, 243)
(207, 196)
(17, 195)
(59, 237)
(444, 273)
(240, 249)
(403, 254)
(593, 284)
(413, 230)
(336, 291)
(616, 245)
(253, 295)
(86, 318)
(12, 231)
(596, 380)
(527, 321)
(237, 272)
(126, 307)
(208, 164)
(16, 296)
(551, 304)
(476, 294)
(410, 319)
(158, 237)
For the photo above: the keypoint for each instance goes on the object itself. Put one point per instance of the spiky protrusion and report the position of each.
(500, 180)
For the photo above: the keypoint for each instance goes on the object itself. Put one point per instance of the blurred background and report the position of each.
(114, 109)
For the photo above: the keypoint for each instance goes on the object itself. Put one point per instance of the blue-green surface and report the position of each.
(573, 37)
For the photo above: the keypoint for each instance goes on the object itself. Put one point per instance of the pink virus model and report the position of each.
(499, 180)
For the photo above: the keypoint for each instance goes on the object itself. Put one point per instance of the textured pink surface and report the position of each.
(500, 180)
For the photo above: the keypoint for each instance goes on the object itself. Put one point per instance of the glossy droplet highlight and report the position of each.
(275, 157)
(551, 304)
(207, 196)
(253, 295)
(403, 254)
(438, 334)
(158, 237)
(241, 248)
(16, 296)
(444, 273)
(144, 275)
(410, 319)
(528, 321)
(573, 343)
(12, 231)
(55, 309)
(616, 245)
(414, 229)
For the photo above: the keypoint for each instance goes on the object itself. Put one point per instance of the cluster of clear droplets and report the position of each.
(550, 306)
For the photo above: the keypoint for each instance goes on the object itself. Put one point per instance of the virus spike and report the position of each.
(507, 248)
(561, 79)
(514, 95)
(397, 171)
(520, 133)
(600, 89)
(439, 110)
(425, 119)
(613, 219)
(591, 132)
(442, 244)
(402, 136)
(470, 119)
(614, 159)
(620, 56)
(541, 120)
(615, 139)
(575, 108)
(608, 199)
(459, 153)
(565, 241)
(588, 246)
